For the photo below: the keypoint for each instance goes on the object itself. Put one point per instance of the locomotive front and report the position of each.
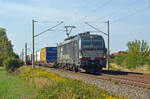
(92, 53)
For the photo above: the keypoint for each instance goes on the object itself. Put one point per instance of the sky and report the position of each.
(129, 20)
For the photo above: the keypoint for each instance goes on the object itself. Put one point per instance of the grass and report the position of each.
(28, 83)
(53, 86)
(12, 87)
(116, 82)
(140, 69)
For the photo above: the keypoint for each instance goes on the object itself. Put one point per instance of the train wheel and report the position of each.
(76, 69)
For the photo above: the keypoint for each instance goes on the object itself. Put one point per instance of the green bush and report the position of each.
(119, 59)
(148, 61)
(130, 62)
(141, 60)
(11, 64)
(133, 61)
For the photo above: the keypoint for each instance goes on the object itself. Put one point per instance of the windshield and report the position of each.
(86, 43)
(92, 43)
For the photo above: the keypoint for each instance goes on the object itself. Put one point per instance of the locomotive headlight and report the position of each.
(80, 56)
(104, 56)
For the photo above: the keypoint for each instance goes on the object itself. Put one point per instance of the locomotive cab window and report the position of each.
(92, 43)
(86, 43)
(97, 43)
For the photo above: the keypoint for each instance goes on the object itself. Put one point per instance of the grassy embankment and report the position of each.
(12, 87)
(140, 69)
(37, 83)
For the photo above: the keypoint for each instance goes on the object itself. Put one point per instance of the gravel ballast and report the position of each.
(112, 88)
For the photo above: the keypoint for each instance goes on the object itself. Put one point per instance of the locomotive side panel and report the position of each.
(68, 53)
(65, 53)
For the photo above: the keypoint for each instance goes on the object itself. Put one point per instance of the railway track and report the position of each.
(132, 74)
(126, 78)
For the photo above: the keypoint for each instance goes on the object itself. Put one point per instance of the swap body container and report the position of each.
(49, 54)
(38, 56)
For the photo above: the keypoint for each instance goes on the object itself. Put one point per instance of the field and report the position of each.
(36, 83)
(12, 87)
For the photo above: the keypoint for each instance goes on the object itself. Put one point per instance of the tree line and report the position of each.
(137, 54)
(8, 58)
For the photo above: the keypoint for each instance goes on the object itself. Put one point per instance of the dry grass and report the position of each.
(53, 86)
(140, 69)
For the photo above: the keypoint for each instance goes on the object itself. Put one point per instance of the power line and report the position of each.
(48, 29)
(115, 12)
(95, 28)
(101, 6)
(44, 38)
(131, 14)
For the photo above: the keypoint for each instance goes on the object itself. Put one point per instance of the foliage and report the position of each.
(130, 62)
(112, 58)
(7, 57)
(6, 48)
(137, 55)
(138, 47)
(148, 60)
(119, 59)
(116, 82)
(53, 86)
(11, 64)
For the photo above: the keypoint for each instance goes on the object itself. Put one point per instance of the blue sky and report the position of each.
(16, 16)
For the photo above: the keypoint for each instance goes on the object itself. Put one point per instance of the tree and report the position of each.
(138, 47)
(6, 48)
(137, 53)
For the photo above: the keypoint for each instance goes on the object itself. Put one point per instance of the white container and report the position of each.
(39, 56)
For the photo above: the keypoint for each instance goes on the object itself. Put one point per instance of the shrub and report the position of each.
(141, 60)
(130, 62)
(119, 59)
(133, 61)
(11, 64)
(148, 61)
(116, 82)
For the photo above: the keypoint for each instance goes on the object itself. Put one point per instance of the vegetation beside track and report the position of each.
(136, 57)
(8, 58)
(141, 69)
(53, 86)
(12, 87)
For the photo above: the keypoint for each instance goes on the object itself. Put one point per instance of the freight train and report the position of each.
(82, 52)
(46, 56)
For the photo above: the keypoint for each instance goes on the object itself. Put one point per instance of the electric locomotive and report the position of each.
(84, 52)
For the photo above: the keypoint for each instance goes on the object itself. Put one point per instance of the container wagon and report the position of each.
(48, 56)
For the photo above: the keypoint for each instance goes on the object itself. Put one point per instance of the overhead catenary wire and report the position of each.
(48, 29)
(111, 15)
(95, 28)
(131, 14)
(93, 11)
(44, 38)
